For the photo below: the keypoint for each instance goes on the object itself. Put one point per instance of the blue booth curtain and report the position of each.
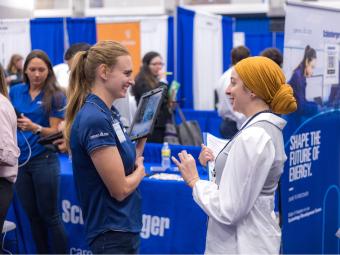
(170, 54)
(227, 40)
(185, 26)
(257, 33)
(47, 34)
(82, 30)
(279, 41)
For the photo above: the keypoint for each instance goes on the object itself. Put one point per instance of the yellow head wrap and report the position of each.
(265, 79)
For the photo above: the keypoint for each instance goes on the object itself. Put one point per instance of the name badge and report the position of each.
(119, 132)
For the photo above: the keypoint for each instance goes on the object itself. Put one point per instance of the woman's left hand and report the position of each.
(187, 167)
(140, 144)
(26, 124)
(61, 144)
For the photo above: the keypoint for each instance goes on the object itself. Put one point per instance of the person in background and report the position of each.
(240, 201)
(62, 71)
(298, 82)
(14, 72)
(274, 54)
(9, 151)
(231, 120)
(41, 104)
(148, 78)
(107, 166)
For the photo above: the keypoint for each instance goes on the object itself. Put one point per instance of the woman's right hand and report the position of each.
(206, 155)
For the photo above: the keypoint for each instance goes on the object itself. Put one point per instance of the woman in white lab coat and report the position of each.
(240, 202)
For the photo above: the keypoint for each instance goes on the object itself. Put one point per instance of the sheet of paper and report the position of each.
(216, 145)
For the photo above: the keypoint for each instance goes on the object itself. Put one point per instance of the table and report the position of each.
(172, 222)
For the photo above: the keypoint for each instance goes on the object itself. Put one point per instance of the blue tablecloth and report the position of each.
(172, 222)
(152, 152)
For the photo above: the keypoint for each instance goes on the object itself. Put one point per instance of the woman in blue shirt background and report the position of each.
(107, 166)
(299, 83)
(41, 104)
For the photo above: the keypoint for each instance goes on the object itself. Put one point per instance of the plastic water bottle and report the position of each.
(166, 153)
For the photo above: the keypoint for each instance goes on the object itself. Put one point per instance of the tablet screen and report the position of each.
(146, 114)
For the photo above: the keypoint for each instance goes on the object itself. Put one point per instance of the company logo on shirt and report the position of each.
(39, 102)
(154, 226)
(101, 134)
(71, 213)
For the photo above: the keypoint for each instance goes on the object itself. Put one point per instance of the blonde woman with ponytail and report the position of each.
(240, 200)
(107, 166)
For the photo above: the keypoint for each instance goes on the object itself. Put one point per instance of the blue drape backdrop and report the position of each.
(185, 27)
(170, 55)
(227, 40)
(47, 34)
(82, 30)
(258, 35)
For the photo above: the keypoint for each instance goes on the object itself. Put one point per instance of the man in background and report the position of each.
(274, 54)
(62, 71)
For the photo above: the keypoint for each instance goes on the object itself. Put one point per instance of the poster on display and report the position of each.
(127, 33)
(12, 32)
(311, 179)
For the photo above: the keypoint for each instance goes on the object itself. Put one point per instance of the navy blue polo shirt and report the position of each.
(96, 126)
(34, 110)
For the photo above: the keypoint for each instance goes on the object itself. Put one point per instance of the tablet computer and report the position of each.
(147, 112)
(50, 138)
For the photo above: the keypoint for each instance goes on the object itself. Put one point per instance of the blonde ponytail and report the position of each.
(83, 75)
(78, 89)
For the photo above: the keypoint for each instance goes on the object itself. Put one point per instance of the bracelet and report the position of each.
(193, 179)
(38, 130)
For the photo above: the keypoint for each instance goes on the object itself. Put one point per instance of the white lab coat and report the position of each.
(240, 204)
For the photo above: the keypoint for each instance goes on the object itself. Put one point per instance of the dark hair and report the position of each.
(308, 56)
(239, 53)
(11, 68)
(145, 73)
(3, 84)
(274, 54)
(74, 48)
(52, 93)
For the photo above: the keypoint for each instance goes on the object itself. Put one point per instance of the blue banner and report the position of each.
(311, 180)
(311, 197)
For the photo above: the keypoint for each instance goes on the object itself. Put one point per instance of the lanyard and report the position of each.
(113, 114)
(243, 127)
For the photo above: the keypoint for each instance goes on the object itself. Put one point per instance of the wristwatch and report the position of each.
(38, 130)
